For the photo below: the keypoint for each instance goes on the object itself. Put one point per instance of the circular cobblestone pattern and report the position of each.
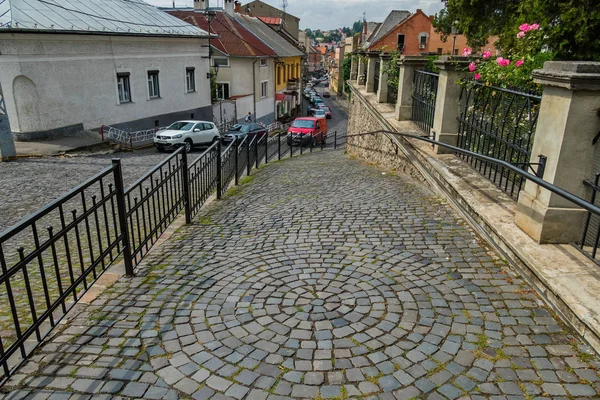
(323, 278)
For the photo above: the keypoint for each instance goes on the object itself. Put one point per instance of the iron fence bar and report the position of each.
(279, 145)
(248, 163)
(266, 148)
(256, 160)
(186, 189)
(120, 193)
(237, 168)
(584, 234)
(219, 171)
(335, 140)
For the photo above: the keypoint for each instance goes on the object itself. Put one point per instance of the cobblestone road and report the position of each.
(28, 184)
(324, 278)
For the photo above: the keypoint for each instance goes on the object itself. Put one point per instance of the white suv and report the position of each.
(186, 133)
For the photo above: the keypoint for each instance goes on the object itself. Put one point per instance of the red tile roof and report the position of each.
(271, 20)
(234, 39)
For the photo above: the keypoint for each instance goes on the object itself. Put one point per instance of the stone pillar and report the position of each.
(370, 84)
(382, 92)
(408, 65)
(354, 68)
(447, 107)
(567, 124)
(7, 142)
(362, 70)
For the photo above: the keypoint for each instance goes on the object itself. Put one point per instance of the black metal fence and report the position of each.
(499, 123)
(51, 258)
(590, 236)
(425, 85)
(376, 77)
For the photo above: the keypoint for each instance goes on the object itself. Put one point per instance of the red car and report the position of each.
(308, 130)
(326, 94)
(327, 111)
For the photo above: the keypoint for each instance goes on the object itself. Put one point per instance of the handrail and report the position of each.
(554, 189)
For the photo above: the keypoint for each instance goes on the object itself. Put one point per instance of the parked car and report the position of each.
(319, 113)
(186, 133)
(307, 131)
(326, 110)
(239, 131)
(318, 102)
(326, 94)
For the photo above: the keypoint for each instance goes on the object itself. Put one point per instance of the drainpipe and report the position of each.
(254, 86)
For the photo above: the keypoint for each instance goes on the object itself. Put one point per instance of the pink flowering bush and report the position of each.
(500, 71)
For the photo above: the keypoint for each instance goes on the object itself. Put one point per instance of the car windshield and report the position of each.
(240, 128)
(319, 112)
(181, 126)
(303, 123)
(325, 109)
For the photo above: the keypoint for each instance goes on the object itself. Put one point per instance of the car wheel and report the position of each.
(189, 145)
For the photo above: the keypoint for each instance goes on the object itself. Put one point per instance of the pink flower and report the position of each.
(487, 54)
(524, 27)
(472, 67)
(521, 35)
(477, 77)
(503, 62)
(519, 63)
(466, 52)
(534, 27)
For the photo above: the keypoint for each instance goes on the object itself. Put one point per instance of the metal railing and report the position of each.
(590, 235)
(116, 135)
(52, 257)
(376, 76)
(425, 85)
(499, 123)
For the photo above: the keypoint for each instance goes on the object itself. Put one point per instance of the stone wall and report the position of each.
(380, 149)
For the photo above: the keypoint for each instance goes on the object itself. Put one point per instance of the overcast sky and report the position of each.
(331, 14)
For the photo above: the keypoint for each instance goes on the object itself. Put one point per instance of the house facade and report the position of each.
(288, 65)
(336, 71)
(242, 63)
(63, 72)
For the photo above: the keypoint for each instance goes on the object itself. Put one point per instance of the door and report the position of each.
(197, 133)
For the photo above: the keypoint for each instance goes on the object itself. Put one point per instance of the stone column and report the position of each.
(447, 107)
(354, 68)
(362, 70)
(408, 65)
(370, 84)
(7, 142)
(382, 92)
(567, 124)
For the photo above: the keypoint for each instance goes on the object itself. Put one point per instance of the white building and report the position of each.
(78, 65)
(244, 65)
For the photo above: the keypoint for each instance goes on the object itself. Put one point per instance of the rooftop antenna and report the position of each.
(173, 3)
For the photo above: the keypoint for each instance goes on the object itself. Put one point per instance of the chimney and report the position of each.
(201, 5)
(238, 7)
(228, 6)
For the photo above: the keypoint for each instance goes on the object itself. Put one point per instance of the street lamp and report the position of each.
(454, 31)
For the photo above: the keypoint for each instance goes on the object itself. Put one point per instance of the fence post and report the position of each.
(256, 161)
(323, 139)
(354, 67)
(237, 161)
(447, 110)
(370, 83)
(382, 90)
(102, 132)
(248, 164)
(266, 148)
(122, 215)
(566, 128)
(185, 178)
(219, 171)
(279, 145)
(407, 67)
(360, 73)
(334, 140)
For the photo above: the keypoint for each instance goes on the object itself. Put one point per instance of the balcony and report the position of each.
(293, 84)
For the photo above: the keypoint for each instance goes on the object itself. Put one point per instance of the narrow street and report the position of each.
(321, 278)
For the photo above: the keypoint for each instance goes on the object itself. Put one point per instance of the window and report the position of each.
(400, 42)
(423, 40)
(264, 89)
(153, 88)
(208, 126)
(124, 88)
(263, 62)
(439, 50)
(221, 62)
(190, 80)
(222, 91)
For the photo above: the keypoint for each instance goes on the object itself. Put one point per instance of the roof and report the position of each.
(271, 20)
(261, 30)
(265, 5)
(123, 17)
(395, 18)
(234, 39)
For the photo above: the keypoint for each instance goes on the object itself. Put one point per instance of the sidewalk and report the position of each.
(57, 146)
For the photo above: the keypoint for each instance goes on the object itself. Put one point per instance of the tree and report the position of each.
(347, 67)
(357, 26)
(570, 27)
